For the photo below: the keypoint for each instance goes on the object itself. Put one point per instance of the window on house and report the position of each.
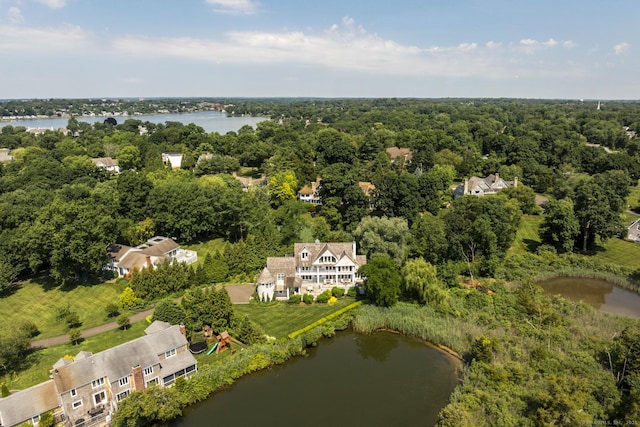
(280, 277)
(97, 383)
(74, 392)
(35, 419)
(153, 381)
(304, 255)
(122, 395)
(124, 381)
(100, 397)
(77, 404)
(148, 371)
(170, 353)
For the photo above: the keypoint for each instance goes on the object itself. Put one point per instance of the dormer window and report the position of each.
(304, 255)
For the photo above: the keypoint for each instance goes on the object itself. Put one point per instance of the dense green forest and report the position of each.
(58, 212)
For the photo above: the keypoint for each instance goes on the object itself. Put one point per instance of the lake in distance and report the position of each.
(382, 379)
(210, 121)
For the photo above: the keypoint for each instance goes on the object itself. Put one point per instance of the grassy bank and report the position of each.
(39, 301)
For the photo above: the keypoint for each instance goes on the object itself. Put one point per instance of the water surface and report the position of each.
(210, 121)
(599, 294)
(383, 379)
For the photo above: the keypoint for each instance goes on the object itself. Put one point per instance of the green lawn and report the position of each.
(38, 303)
(633, 201)
(279, 318)
(40, 362)
(203, 247)
(527, 237)
(621, 252)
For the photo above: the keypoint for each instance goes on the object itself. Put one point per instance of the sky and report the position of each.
(558, 49)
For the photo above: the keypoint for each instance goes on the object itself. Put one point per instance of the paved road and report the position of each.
(239, 294)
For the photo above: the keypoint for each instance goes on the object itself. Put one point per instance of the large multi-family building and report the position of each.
(85, 391)
(313, 268)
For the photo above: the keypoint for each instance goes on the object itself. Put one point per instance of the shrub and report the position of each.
(74, 336)
(46, 419)
(72, 319)
(128, 299)
(124, 322)
(112, 309)
(295, 299)
(308, 299)
(332, 300)
(29, 328)
(323, 297)
(352, 292)
(4, 390)
(337, 292)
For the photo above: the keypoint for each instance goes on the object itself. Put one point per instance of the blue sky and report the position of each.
(327, 48)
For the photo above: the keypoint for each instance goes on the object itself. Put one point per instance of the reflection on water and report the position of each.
(345, 381)
(377, 349)
(597, 293)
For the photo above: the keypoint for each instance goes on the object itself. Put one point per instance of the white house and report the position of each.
(483, 186)
(311, 193)
(107, 163)
(313, 268)
(123, 259)
(173, 159)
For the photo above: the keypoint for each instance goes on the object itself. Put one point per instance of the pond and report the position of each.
(597, 293)
(383, 379)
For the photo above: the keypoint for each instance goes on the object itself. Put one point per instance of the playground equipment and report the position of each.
(224, 342)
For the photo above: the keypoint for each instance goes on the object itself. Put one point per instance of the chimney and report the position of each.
(496, 178)
(183, 330)
(515, 181)
(138, 378)
(465, 189)
(149, 265)
(353, 245)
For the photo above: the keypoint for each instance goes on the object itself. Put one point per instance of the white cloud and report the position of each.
(54, 4)
(347, 46)
(621, 48)
(235, 7)
(15, 15)
(47, 40)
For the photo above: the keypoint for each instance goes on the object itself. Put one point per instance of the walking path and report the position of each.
(239, 294)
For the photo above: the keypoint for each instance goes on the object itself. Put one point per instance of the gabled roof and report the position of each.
(160, 246)
(105, 161)
(395, 152)
(23, 405)
(118, 361)
(265, 276)
(316, 249)
(286, 265)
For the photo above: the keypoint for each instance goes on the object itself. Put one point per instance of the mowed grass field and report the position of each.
(278, 319)
(39, 303)
(40, 362)
(614, 250)
(527, 237)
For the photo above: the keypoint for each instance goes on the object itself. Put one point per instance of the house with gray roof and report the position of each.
(483, 186)
(86, 390)
(313, 268)
(124, 259)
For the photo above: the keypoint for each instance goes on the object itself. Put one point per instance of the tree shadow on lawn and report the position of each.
(532, 245)
(48, 283)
